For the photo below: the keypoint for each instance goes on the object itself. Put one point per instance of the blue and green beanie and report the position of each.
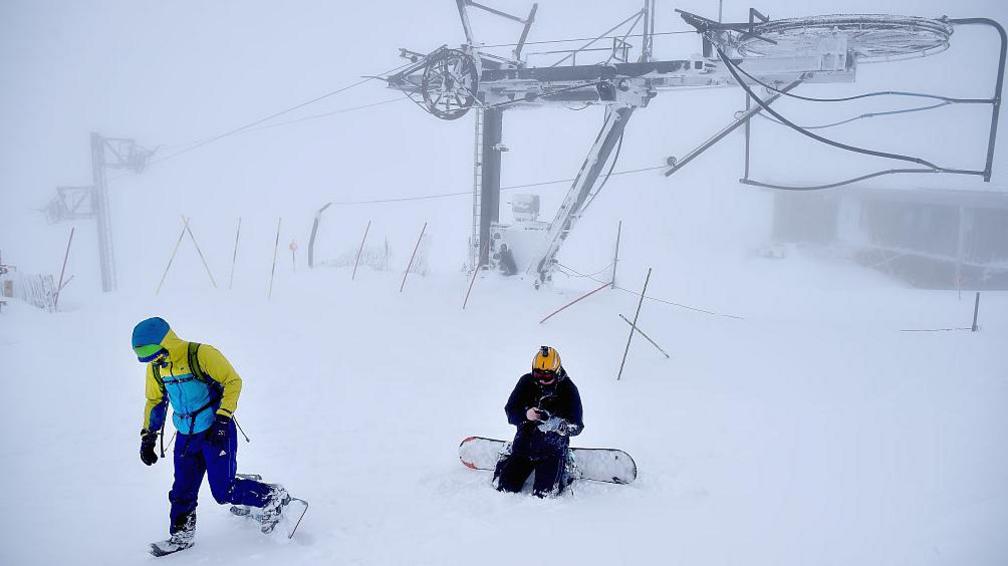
(147, 337)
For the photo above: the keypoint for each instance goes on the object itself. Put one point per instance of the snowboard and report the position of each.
(288, 521)
(594, 464)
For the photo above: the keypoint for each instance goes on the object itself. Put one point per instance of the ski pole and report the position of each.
(240, 428)
(169, 442)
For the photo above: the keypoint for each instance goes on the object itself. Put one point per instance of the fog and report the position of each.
(171, 75)
(740, 275)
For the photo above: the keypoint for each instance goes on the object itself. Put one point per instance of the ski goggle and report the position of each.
(149, 352)
(544, 375)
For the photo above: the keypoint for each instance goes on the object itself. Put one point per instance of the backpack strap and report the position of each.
(192, 355)
(157, 376)
(197, 370)
(194, 365)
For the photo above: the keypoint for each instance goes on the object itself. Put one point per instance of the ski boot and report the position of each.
(182, 537)
(278, 499)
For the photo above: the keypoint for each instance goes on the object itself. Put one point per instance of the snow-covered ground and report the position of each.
(811, 431)
(805, 429)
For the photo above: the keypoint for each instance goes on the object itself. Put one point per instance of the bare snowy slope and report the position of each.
(811, 431)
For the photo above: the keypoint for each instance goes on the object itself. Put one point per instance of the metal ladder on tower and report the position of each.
(474, 240)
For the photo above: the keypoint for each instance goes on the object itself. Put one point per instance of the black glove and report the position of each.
(543, 413)
(218, 431)
(147, 440)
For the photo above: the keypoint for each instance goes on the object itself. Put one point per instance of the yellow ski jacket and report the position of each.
(194, 401)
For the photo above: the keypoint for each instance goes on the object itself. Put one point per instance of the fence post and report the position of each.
(234, 257)
(66, 256)
(276, 244)
(619, 230)
(976, 310)
(359, 250)
(473, 280)
(582, 297)
(172, 258)
(646, 337)
(412, 256)
(633, 326)
(200, 252)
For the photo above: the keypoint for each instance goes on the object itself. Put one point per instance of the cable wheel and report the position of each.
(871, 37)
(449, 84)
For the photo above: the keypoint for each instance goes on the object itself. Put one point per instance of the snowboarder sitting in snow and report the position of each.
(203, 390)
(546, 408)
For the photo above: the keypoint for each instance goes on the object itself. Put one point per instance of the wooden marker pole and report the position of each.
(172, 258)
(473, 280)
(646, 337)
(234, 257)
(582, 297)
(63, 270)
(200, 252)
(619, 230)
(360, 250)
(412, 256)
(276, 245)
(633, 325)
(976, 311)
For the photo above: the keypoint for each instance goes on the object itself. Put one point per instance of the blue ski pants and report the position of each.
(514, 470)
(196, 456)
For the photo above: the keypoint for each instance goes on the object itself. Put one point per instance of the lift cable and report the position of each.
(838, 183)
(547, 41)
(593, 277)
(198, 144)
(863, 116)
(573, 273)
(325, 114)
(469, 193)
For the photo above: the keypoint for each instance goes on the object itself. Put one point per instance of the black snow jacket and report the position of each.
(560, 399)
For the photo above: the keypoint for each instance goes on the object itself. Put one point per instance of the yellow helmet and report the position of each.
(547, 359)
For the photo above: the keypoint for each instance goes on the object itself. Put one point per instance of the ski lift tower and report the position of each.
(450, 81)
(92, 201)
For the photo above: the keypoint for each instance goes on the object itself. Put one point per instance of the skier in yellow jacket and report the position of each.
(202, 388)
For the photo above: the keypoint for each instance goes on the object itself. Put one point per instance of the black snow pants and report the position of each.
(514, 469)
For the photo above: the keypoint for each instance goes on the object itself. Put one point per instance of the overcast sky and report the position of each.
(170, 73)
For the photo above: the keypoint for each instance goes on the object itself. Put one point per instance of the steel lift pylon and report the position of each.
(778, 55)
